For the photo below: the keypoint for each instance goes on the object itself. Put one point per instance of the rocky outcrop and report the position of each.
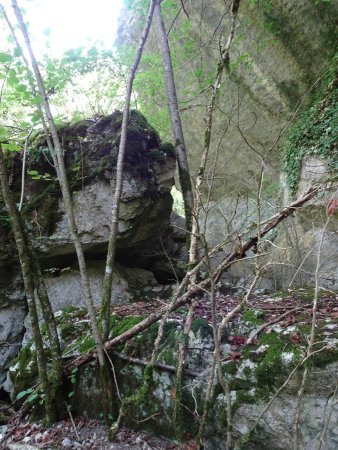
(254, 371)
(91, 148)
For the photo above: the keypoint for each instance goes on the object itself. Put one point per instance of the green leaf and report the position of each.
(11, 147)
(3, 132)
(21, 394)
(5, 57)
(37, 100)
(21, 88)
(17, 51)
(71, 394)
(32, 172)
(32, 397)
(13, 80)
(36, 117)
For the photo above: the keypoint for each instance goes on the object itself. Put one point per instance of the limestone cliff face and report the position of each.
(278, 63)
(280, 49)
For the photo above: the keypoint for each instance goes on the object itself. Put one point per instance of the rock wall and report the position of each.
(279, 51)
(279, 61)
(13, 310)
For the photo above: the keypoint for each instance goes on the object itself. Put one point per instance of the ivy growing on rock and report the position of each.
(315, 133)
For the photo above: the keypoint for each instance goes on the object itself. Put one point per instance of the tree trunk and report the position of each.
(108, 276)
(175, 119)
(21, 240)
(62, 176)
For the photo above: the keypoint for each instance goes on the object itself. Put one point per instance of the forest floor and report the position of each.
(281, 310)
(82, 434)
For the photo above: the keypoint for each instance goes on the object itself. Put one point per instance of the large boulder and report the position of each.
(91, 150)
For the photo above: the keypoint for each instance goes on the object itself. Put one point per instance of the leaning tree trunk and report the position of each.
(175, 118)
(108, 276)
(62, 176)
(50, 390)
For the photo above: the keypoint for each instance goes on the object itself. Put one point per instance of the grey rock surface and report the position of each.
(302, 235)
(13, 311)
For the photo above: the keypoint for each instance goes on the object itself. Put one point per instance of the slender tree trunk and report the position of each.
(57, 365)
(28, 279)
(62, 176)
(193, 252)
(108, 276)
(176, 125)
(195, 232)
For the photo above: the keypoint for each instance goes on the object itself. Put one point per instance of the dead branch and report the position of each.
(197, 289)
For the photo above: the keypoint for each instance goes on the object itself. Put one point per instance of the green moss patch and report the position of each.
(202, 328)
(24, 371)
(253, 316)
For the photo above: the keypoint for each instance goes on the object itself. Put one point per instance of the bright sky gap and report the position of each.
(64, 24)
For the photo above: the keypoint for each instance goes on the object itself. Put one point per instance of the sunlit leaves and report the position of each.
(11, 147)
(5, 58)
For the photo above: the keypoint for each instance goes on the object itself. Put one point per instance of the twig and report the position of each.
(273, 321)
(72, 420)
(157, 365)
(23, 174)
(114, 375)
(158, 413)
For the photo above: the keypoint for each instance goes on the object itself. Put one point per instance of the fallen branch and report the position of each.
(197, 289)
(157, 365)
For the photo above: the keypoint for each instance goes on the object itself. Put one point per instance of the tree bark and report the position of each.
(108, 276)
(175, 119)
(21, 240)
(62, 176)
